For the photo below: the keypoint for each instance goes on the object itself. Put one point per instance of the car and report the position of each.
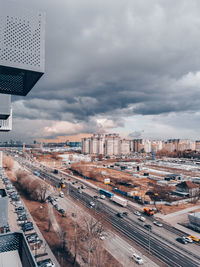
(148, 226)
(28, 224)
(194, 238)
(125, 213)
(53, 203)
(61, 194)
(188, 239)
(95, 197)
(56, 206)
(13, 194)
(79, 191)
(21, 222)
(137, 213)
(137, 259)
(17, 203)
(27, 228)
(15, 198)
(19, 208)
(10, 191)
(45, 263)
(83, 186)
(120, 215)
(92, 204)
(21, 213)
(7, 228)
(32, 237)
(49, 198)
(102, 237)
(157, 223)
(181, 240)
(61, 211)
(22, 218)
(141, 218)
(102, 196)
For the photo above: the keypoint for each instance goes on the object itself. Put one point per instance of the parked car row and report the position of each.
(53, 201)
(23, 221)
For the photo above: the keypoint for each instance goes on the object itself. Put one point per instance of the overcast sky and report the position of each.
(127, 66)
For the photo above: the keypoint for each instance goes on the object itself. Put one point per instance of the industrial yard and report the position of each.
(138, 179)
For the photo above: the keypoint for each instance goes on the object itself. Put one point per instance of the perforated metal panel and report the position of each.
(21, 49)
(17, 241)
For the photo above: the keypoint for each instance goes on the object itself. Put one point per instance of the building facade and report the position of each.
(105, 144)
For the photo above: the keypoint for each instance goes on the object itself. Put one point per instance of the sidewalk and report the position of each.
(180, 212)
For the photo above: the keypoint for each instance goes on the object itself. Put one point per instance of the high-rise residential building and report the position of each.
(105, 144)
(112, 144)
(197, 145)
(86, 146)
(172, 145)
(141, 145)
(125, 147)
(156, 145)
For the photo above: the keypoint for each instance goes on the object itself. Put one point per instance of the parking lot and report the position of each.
(19, 219)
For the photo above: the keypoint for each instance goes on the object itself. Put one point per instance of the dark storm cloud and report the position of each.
(116, 57)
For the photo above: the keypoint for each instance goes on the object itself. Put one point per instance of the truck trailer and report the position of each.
(119, 200)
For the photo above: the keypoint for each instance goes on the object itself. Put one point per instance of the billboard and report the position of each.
(107, 181)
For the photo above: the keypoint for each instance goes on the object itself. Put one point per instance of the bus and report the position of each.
(106, 193)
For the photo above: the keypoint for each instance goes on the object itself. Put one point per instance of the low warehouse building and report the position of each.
(194, 221)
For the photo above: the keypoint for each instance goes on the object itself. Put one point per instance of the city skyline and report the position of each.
(127, 68)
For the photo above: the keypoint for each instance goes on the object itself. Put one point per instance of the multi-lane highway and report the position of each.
(162, 247)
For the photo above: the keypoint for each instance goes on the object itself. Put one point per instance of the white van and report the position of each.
(61, 194)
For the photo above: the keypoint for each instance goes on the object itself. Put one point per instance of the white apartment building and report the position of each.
(94, 145)
(124, 147)
(97, 144)
(141, 145)
(172, 145)
(112, 144)
(86, 146)
(156, 145)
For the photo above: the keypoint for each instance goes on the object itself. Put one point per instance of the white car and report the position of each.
(157, 223)
(61, 194)
(92, 204)
(142, 219)
(188, 239)
(102, 196)
(137, 213)
(102, 237)
(137, 258)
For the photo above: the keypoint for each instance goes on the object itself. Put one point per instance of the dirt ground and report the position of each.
(170, 209)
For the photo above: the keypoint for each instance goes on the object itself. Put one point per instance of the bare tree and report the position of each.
(99, 259)
(93, 229)
(8, 162)
(43, 188)
(20, 175)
